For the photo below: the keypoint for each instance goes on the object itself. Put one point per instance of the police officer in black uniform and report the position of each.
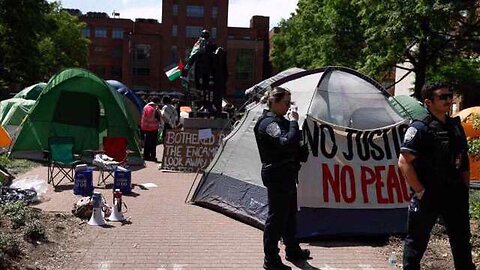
(435, 163)
(278, 141)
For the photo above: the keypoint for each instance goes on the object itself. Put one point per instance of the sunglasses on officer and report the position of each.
(445, 96)
(288, 103)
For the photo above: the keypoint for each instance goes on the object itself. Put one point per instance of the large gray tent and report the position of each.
(343, 102)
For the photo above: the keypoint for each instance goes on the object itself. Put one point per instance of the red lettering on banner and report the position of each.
(393, 183)
(351, 176)
(379, 184)
(332, 180)
(388, 183)
(366, 180)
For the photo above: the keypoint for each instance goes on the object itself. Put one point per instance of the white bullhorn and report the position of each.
(97, 218)
(117, 213)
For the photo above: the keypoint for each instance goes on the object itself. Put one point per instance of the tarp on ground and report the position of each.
(76, 103)
(350, 184)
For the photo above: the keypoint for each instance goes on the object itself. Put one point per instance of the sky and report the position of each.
(239, 11)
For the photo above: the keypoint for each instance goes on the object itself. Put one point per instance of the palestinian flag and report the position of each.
(175, 72)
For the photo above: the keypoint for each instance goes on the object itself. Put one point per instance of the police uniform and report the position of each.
(278, 142)
(440, 151)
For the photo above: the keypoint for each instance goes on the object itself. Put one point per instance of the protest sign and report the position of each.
(189, 150)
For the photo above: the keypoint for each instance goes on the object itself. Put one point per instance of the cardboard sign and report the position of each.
(189, 150)
(350, 168)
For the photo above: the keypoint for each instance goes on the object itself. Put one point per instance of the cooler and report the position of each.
(122, 179)
(83, 184)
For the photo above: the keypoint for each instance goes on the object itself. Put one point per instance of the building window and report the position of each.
(116, 72)
(174, 30)
(141, 60)
(174, 54)
(117, 33)
(244, 66)
(175, 10)
(100, 32)
(193, 31)
(214, 32)
(117, 52)
(214, 12)
(195, 11)
(86, 31)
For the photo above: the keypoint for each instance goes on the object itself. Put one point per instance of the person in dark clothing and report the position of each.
(278, 141)
(434, 160)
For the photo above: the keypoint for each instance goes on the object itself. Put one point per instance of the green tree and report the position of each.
(37, 39)
(428, 34)
(437, 37)
(63, 45)
(22, 22)
(320, 33)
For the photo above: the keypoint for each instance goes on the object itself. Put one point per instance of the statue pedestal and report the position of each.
(202, 123)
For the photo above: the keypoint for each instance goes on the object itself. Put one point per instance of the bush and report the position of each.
(475, 204)
(9, 248)
(18, 212)
(34, 230)
(9, 245)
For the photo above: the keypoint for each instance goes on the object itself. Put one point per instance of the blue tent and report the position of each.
(127, 92)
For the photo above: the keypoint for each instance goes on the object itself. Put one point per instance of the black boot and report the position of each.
(275, 264)
(297, 255)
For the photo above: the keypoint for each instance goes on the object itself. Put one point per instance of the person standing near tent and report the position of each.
(433, 159)
(169, 114)
(150, 124)
(278, 141)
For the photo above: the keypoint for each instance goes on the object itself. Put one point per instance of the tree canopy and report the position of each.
(37, 39)
(438, 38)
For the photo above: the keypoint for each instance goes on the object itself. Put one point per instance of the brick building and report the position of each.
(138, 52)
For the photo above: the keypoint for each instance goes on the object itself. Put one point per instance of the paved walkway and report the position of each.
(166, 233)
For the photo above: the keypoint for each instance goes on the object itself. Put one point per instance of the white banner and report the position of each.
(349, 168)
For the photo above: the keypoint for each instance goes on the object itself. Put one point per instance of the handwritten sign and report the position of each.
(189, 150)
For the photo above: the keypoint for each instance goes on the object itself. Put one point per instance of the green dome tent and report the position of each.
(32, 92)
(78, 104)
(13, 111)
(408, 107)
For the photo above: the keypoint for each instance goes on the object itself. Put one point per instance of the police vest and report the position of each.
(443, 159)
(270, 153)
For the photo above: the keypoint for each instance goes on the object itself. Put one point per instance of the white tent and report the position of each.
(350, 183)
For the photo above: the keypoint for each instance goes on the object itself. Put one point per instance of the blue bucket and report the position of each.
(83, 183)
(122, 180)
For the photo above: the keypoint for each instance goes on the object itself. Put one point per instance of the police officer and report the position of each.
(434, 161)
(278, 141)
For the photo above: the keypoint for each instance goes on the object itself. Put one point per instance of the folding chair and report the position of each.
(116, 148)
(61, 160)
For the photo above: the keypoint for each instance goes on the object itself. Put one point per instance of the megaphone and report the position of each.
(97, 218)
(117, 214)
